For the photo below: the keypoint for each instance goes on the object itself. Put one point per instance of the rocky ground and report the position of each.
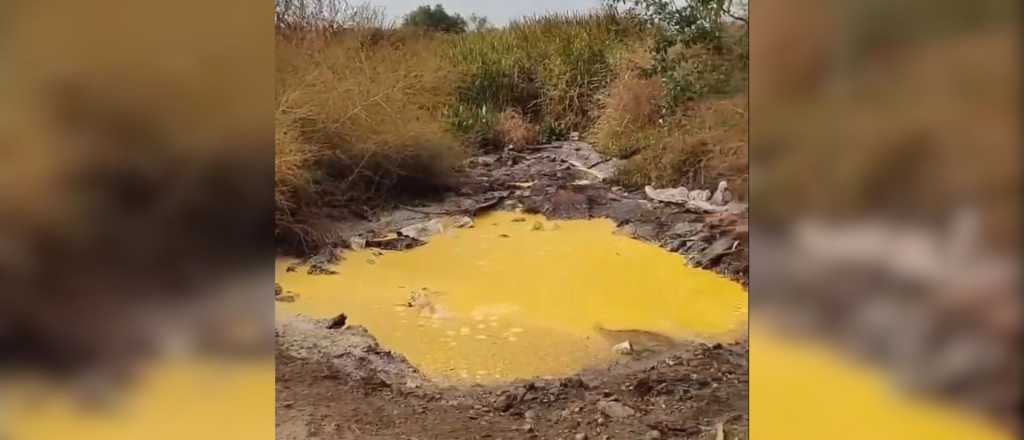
(340, 384)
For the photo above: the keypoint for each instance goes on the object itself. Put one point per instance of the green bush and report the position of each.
(550, 69)
(435, 18)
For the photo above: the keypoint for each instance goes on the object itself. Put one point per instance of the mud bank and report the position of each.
(342, 385)
(561, 181)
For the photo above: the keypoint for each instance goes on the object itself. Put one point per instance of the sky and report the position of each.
(499, 12)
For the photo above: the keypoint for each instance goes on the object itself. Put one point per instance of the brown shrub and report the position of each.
(513, 129)
(358, 117)
(632, 110)
(706, 143)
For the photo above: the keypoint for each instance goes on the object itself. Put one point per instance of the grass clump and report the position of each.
(358, 117)
(513, 129)
(697, 148)
(550, 69)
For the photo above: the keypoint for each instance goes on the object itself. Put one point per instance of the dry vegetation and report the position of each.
(367, 112)
(357, 117)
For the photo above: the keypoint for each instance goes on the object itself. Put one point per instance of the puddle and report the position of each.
(803, 391)
(520, 296)
(175, 399)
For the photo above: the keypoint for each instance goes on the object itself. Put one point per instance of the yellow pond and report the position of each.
(802, 390)
(520, 296)
(174, 399)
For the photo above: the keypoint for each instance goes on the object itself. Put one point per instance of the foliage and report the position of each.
(435, 18)
(700, 45)
(358, 118)
(551, 70)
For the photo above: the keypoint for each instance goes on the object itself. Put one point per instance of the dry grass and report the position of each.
(513, 129)
(631, 112)
(697, 148)
(359, 116)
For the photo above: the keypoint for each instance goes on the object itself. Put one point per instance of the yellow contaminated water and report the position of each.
(175, 399)
(800, 390)
(520, 296)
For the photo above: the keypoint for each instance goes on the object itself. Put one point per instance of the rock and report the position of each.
(277, 290)
(624, 348)
(707, 207)
(574, 136)
(722, 195)
(423, 231)
(606, 170)
(615, 410)
(338, 322)
(319, 269)
(357, 243)
(720, 247)
(519, 220)
(580, 436)
(395, 244)
(537, 226)
(530, 414)
(653, 434)
(675, 245)
(670, 195)
(289, 298)
(462, 222)
(685, 229)
(321, 263)
(699, 195)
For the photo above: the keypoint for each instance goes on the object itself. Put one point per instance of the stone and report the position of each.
(423, 231)
(615, 410)
(289, 298)
(580, 436)
(623, 348)
(699, 195)
(338, 322)
(652, 435)
(395, 244)
(685, 229)
(669, 195)
(462, 222)
(357, 243)
(722, 195)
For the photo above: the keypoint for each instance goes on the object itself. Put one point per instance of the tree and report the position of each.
(479, 23)
(707, 25)
(435, 18)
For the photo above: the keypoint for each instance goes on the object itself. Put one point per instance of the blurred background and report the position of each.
(884, 186)
(136, 199)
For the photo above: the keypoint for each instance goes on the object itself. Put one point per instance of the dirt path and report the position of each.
(340, 384)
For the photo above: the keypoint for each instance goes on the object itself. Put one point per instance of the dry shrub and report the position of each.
(630, 114)
(513, 129)
(358, 117)
(704, 144)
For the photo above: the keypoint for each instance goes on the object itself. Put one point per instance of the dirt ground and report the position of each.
(340, 384)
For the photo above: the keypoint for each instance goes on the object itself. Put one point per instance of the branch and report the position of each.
(727, 10)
